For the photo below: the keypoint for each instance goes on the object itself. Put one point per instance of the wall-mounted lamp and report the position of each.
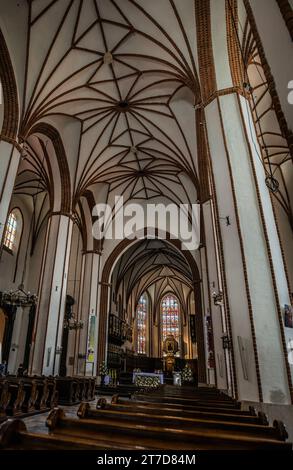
(226, 342)
(247, 87)
(218, 298)
(227, 219)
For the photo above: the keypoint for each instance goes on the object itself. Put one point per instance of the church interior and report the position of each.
(111, 341)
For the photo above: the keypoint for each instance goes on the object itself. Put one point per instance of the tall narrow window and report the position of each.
(141, 319)
(170, 317)
(10, 231)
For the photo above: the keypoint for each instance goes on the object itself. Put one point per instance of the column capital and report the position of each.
(105, 284)
(66, 214)
(11, 141)
(225, 91)
(92, 252)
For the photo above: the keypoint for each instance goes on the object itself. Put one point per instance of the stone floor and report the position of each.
(37, 423)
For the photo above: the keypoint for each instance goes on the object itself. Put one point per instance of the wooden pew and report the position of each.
(16, 397)
(166, 438)
(53, 394)
(14, 436)
(4, 399)
(244, 417)
(194, 407)
(92, 388)
(30, 392)
(189, 402)
(68, 390)
(159, 419)
(85, 389)
(43, 393)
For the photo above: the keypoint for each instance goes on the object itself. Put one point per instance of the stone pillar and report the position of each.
(88, 308)
(47, 337)
(14, 359)
(253, 267)
(9, 161)
(214, 285)
(103, 323)
(279, 66)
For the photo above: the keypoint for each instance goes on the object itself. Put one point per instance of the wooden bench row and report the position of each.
(142, 425)
(15, 436)
(73, 390)
(103, 429)
(228, 415)
(26, 395)
(160, 431)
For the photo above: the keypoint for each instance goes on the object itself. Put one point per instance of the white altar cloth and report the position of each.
(147, 374)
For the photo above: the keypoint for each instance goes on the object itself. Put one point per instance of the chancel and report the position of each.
(146, 193)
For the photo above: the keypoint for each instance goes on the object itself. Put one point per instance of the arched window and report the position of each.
(11, 231)
(170, 322)
(141, 322)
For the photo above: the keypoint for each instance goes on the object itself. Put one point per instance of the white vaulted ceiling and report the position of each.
(136, 114)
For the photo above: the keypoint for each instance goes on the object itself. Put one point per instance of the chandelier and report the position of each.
(18, 297)
(73, 324)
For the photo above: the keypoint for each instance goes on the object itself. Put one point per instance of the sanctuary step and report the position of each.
(124, 390)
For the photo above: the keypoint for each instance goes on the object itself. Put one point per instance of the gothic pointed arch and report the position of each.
(10, 94)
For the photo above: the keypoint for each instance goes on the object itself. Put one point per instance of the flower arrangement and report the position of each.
(103, 368)
(186, 374)
(147, 383)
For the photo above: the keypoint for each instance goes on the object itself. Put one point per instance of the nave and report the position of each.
(146, 195)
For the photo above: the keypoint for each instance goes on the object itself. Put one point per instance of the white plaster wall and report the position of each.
(13, 354)
(281, 280)
(13, 263)
(66, 222)
(286, 238)
(57, 296)
(8, 168)
(219, 41)
(205, 301)
(278, 48)
(236, 290)
(271, 361)
(69, 129)
(14, 29)
(74, 288)
(214, 287)
(35, 261)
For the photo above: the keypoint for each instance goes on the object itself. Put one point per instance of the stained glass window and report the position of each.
(170, 317)
(141, 319)
(10, 231)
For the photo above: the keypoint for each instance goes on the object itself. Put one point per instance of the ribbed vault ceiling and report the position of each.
(153, 263)
(126, 71)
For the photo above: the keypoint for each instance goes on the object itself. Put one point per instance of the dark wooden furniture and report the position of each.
(157, 436)
(169, 418)
(14, 436)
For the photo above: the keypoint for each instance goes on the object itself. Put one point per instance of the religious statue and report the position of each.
(170, 347)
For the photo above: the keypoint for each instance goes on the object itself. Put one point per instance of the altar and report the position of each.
(160, 377)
